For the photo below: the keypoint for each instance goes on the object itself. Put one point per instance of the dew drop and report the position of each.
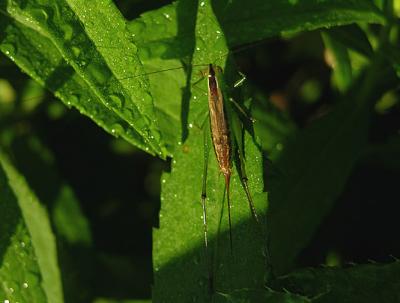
(99, 72)
(68, 32)
(117, 100)
(202, 3)
(116, 129)
(25, 285)
(76, 51)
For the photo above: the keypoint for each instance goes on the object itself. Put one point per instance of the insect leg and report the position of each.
(208, 258)
(240, 81)
(244, 179)
(262, 225)
(241, 110)
(202, 76)
(237, 136)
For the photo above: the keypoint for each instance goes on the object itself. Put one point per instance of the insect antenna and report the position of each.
(154, 72)
(209, 259)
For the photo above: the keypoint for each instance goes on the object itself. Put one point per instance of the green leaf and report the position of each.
(316, 163)
(249, 21)
(353, 37)
(71, 228)
(361, 283)
(252, 20)
(340, 64)
(29, 270)
(80, 51)
(179, 260)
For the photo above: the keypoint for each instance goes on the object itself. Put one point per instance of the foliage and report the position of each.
(107, 67)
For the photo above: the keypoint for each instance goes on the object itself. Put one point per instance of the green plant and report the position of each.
(89, 56)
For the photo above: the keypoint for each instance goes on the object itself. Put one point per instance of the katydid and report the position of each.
(225, 129)
(226, 137)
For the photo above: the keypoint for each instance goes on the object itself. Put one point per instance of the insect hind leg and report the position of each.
(262, 225)
(209, 260)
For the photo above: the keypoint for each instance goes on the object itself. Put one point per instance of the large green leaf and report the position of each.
(66, 46)
(248, 21)
(179, 260)
(28, 270)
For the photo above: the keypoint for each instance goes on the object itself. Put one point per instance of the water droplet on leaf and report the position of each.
(117, 100)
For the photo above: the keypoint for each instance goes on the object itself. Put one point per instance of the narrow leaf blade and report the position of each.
(32, 244)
